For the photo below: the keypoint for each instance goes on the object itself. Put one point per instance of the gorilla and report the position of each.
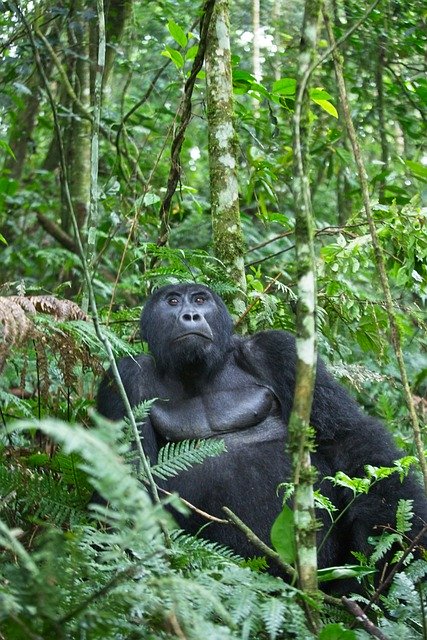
(211, 383)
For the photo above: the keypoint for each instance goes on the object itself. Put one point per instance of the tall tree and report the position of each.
(226, 226)
(300, 437)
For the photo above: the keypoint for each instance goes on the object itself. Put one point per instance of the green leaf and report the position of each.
(175, 56)
(150, 198)
(177, 33)
(192, 52)
(285, 86)
(3, 239)
(419, 170)
(336, 632)
(327, 106)
(344, 572)
(283, 535)
(320, 94)
(5, 146)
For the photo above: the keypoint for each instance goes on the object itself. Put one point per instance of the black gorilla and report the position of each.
(211, 383)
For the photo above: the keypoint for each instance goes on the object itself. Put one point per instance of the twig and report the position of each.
(204, 514)
(361, 617)
(257, 542)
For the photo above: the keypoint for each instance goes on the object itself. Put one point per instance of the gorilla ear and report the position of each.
(144, 321)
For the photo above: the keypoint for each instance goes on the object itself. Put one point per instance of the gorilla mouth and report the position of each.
(193, 333)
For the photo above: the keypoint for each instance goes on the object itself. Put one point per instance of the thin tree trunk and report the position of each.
(226, 226)
(78, 136)
(300, 436)
(299, 426)
(379, 80)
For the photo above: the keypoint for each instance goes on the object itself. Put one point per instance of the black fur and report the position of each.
(210, 382)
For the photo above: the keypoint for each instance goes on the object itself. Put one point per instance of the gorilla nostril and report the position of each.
(191, 317)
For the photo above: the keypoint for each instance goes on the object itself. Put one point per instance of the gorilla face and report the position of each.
(188, 329)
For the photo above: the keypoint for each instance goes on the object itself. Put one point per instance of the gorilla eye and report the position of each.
(173, 302)
(199, 299)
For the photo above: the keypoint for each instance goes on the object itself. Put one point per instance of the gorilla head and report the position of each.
(188, 329)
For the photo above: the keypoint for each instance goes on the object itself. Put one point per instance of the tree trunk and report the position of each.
(78, 136)
(300, 436)
(226, 226)
(379, 80)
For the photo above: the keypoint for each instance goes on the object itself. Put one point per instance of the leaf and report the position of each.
(192, 52)
(336, 632)
(150, 198)
(283, 535)
(320, 94)
(175, 56)
(175, 457)
(285, 86)
(327, 106)
(3, 239)
(419, 170)
(341, 573)
(5, 146)
(177, 33)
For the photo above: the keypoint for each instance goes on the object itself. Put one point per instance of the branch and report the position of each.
(185, 114)
(57, 233)
(361, 617)
(257, 542)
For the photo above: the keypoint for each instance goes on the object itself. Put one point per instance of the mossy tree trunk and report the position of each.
(226, 226)
(78, 136)
(300, 436)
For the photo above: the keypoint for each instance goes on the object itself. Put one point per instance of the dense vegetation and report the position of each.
(70, 572)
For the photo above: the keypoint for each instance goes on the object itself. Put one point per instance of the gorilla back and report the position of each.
(211, 383)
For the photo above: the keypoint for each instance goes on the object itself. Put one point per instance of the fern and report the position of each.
(382, 545)
(273, 615)
(123, 580)
(404, 515)
(180, 456)
(191, 553)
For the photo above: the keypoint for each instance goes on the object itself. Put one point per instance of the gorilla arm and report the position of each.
(346, 440)
(137, 376)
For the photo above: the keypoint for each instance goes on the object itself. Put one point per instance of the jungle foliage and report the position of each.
(72, 571)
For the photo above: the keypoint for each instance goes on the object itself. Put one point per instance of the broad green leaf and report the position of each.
(327, 106)
(341, 573)
(192, 52)
(320, 94)
(175, 56)
(3, 239)
(177, 33)
(336, 631)
(285, 86)
(240, 74)
(283, 535)
(150, 198)
(419, 170)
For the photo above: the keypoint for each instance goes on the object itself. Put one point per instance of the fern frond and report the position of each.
(384, 544)
(404, 515)
(180, 456)
(192, 553)
(273, 615)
